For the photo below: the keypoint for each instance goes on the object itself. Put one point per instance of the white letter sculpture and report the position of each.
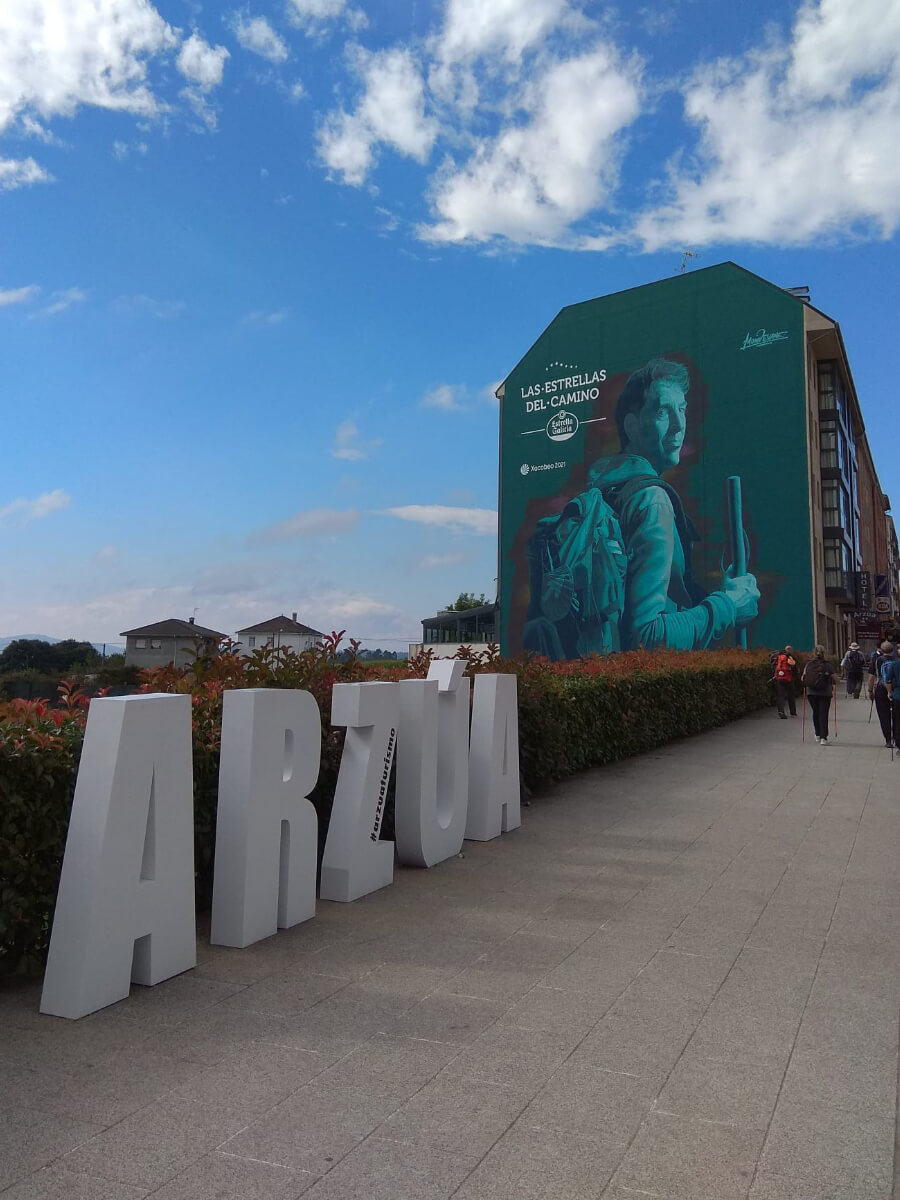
(125, 909)
(432, 765)
(493, 759)
(355, 861)
(266, 829)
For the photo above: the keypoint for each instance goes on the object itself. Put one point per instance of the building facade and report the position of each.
(450, 630)
(170, 641)
(685, 465)
(280, 631)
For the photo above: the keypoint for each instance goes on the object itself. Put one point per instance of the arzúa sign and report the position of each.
(125, 909)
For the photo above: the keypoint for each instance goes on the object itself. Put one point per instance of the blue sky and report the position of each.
(262, 267)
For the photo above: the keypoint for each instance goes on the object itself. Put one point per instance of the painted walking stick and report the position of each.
(803, 718)
(834, 687)
(738, 540)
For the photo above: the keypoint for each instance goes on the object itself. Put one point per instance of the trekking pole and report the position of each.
(835, 712)
(803, 718)
(737, 537)
(871, 706)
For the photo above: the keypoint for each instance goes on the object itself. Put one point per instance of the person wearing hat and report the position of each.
(853, 664)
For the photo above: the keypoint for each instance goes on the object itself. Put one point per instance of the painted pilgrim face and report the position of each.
(656, 432)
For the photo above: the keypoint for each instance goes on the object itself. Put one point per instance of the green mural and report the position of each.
(653, 483)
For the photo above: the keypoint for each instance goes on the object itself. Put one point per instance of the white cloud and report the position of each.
(457, 520)
(18, 295)
(349, 445)
(433, 561)
(532, 132)
(391, 111)
(257, 35)
(261, 316)
(537, 177)
(361, 606)
(105, 616)
(32, 128)
(312, 15)
(489, 393)
(202, 63)
(447, 396)
(56, 55)
(345, 146)
(105, 553)
(21, 172)
(198, 100)
(473, 28)
(60, 301)
(823, 107)
(40, 506)
(163, 310)
(310, 523)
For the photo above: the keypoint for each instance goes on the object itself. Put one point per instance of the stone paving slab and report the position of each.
(679, 979)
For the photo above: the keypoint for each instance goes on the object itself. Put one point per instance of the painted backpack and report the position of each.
(577, 562)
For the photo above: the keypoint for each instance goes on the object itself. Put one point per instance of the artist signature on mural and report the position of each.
(762, 338)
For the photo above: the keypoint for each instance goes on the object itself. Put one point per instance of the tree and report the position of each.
(31, 654)
(467, 600)
(24, 654)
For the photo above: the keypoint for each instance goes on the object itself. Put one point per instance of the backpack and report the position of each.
(855, 660)
(784, 667)
(890, 677)
(817, 675)
(577, 562)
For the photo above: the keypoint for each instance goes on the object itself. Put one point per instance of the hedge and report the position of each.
(572, 716)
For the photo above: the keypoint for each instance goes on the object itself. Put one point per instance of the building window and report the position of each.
(835, 508)
(140, 643)
(832, 392)
(251, 641)
(826, 386)
(270, 641)
(832, 449)
(837, 564)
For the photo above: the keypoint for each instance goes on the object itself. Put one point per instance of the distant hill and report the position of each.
(111, 647)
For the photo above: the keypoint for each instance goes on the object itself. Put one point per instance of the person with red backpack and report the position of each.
(785, 675)
(819, 677)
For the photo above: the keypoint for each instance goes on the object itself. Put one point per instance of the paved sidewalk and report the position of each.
(679, 979)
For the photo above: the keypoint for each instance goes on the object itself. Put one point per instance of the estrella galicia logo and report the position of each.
(762, 338)
(562, 426)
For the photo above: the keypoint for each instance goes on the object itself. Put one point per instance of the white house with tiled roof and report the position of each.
(278, 631)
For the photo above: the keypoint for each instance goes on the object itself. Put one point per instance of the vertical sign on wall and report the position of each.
(125, 909)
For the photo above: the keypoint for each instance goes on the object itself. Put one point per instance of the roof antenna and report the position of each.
(686, 256)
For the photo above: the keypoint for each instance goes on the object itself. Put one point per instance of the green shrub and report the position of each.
(39, 752)
(572, 716)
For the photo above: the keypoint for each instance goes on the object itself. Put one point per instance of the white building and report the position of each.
(277, 631)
